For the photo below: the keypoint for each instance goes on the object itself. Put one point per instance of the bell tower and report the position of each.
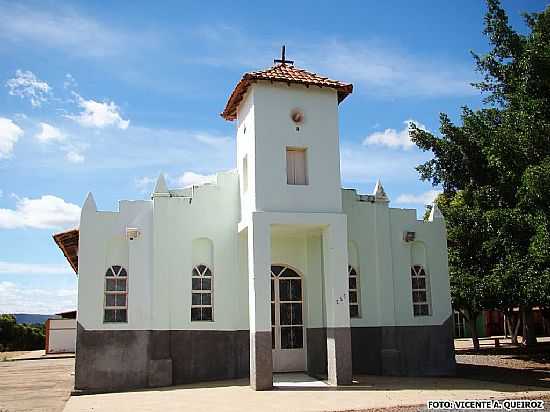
(288, 153)
(288, 159)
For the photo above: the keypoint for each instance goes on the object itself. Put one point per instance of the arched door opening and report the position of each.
(287, 320)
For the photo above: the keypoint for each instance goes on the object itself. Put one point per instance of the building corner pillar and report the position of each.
(335, 263)
(259, 267)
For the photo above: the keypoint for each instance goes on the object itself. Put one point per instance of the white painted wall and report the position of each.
(246, 147)
(61, 336)
(160, 269)
(274, 130)
(102, 243)
(384, 261)
(212, 214)
(178, 232)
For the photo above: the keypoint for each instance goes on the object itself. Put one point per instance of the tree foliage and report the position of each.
(495, 172)
(14, 336)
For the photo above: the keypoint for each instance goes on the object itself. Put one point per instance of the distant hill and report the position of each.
(31, 318)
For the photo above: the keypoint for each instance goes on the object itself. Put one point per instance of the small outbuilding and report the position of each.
(61, 333)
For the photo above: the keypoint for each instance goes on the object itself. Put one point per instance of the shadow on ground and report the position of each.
(525, 377)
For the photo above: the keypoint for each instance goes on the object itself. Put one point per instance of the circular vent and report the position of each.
(297, 116)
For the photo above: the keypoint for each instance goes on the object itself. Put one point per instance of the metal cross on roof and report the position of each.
(283, 60)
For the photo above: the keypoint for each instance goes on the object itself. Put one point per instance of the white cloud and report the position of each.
(9, 135)
(46, 212)
(394, 138)
(376, 68)
(192, 178)
(145, 184)
(425, 198)
(61, 28)
(382, 70)
(365, 164)
(212, 139)
(49, 133)
(13, 268)
(18, 299)
(69, 82)
(26, 85)
(74, 157)
(99, 114)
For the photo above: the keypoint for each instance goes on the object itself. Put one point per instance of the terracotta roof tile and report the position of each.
(285, 73)
(68, 243)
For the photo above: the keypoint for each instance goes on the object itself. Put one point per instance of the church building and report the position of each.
(274, 267)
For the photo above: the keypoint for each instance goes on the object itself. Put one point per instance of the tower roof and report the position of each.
(285, 72)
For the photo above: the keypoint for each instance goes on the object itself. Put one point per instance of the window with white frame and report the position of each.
(353, 278)
(420, 298)
(201, 295)
(296, 166)
(116, 295)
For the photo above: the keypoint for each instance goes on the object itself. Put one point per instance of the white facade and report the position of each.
(383, 259)
(251, 219)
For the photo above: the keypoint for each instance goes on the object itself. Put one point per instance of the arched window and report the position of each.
(201, 295)
(353, 292)
(419, 279)
(116, 295)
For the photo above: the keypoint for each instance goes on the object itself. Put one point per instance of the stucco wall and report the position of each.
(212, 214)
(159, 262)
(384, 261)
(246, 147)
(102, 243)
(274, 131)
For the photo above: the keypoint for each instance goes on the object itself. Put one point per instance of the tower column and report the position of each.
(335, 264)
(259, 295)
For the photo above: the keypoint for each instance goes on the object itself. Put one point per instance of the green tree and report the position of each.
(14, 336)
(494, 170)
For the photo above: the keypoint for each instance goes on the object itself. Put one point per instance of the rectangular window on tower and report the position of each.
(245, 173)
(296, 166)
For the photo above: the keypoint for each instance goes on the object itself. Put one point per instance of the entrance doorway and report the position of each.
(287, 320)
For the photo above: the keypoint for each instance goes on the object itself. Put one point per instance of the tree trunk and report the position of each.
(512, 322)
(473, 330)
(506, 325)
(515, 331)
(529, 335)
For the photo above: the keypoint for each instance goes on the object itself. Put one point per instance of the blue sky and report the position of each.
(103, 99)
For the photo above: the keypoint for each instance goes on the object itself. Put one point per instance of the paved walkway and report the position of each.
(41, 354)
(367, 392)
(35, 385)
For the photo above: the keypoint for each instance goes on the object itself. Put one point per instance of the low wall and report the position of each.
(60, 335)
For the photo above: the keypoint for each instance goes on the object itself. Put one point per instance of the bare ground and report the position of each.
(510, 364)
(35, 385)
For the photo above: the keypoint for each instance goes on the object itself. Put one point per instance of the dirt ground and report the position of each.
(35, 385)
(10, 355)
(507, 364)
